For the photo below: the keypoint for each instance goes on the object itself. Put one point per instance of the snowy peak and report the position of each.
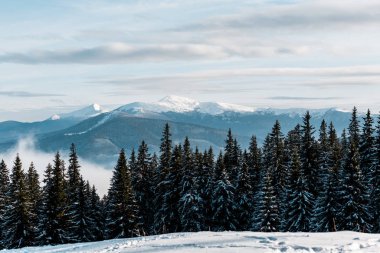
(216, 108)
(183, 104)
(84, 113)
(178, 104)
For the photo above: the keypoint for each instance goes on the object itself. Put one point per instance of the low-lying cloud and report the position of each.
(95, 173)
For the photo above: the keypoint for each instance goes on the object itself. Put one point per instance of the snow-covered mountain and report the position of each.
(84, 113)
(183, 105)
(100, 134)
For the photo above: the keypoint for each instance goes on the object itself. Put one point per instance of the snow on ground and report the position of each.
(239, 242)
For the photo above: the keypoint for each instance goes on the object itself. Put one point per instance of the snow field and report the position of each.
(223, 242)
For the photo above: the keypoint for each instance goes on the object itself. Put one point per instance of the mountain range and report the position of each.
(99, 134)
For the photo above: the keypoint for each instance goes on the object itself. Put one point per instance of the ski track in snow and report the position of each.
(239, 242)
(99, 123)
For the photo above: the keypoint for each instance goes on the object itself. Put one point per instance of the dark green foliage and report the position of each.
(266, 215)
(191, 203)
(375, 194)
(18, 228)
(328, 203)
(223, 199)
(4, 201)
(166, 147)
(244, 197)
(300, 200)
(122, 210)
(169, 206)
(143, 187)
(206, 184)
(55, 221)
(276, 158)
(367, 150)
(34, 193)
(254, 163)
(231, 157)
(309, 155)
(97, 214)
(297, 183)
(354, 212)
(161, 174)
(84, 221)
(74, 192)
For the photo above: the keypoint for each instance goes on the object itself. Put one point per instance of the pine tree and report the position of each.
(97, 215)
(170, 199)
(266, 214)
(166, 147)
(231, 157)
(308, 155)
(45, 215)
(84, 222)
(375, 194)
(355, 213)
(276, 154)
(344, 143)
(4, 201)
(244, 197)
(55, 221)
(254, 163)
(19, 231)
(326, 211)
(160, 180)
(367, 150)
(132, 166)
(300, 202)
(293, 140)
(323, 159)
(191, 204)
(74, 189)
(208, 187)
(122, 211)
(142, 186)
(222, 201)
(35, 197)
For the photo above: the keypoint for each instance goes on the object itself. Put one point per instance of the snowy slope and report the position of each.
(84, 113)
(241, 242)
(182, 104)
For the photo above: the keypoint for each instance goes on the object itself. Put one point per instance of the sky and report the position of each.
(57, 56)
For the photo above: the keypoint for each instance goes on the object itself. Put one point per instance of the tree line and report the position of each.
(302, 181)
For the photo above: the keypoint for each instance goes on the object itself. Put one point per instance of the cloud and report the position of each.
(303, 98)
(310, 15)
(96, 174)
(346, 75)
(118, 53)
(28, 94)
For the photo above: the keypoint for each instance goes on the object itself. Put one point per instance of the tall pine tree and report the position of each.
(143, 186)
(122, 211)
(160, 180)
(300, 200)
(355, 213)
(4, 200)
(19, 231)
(223, 199)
